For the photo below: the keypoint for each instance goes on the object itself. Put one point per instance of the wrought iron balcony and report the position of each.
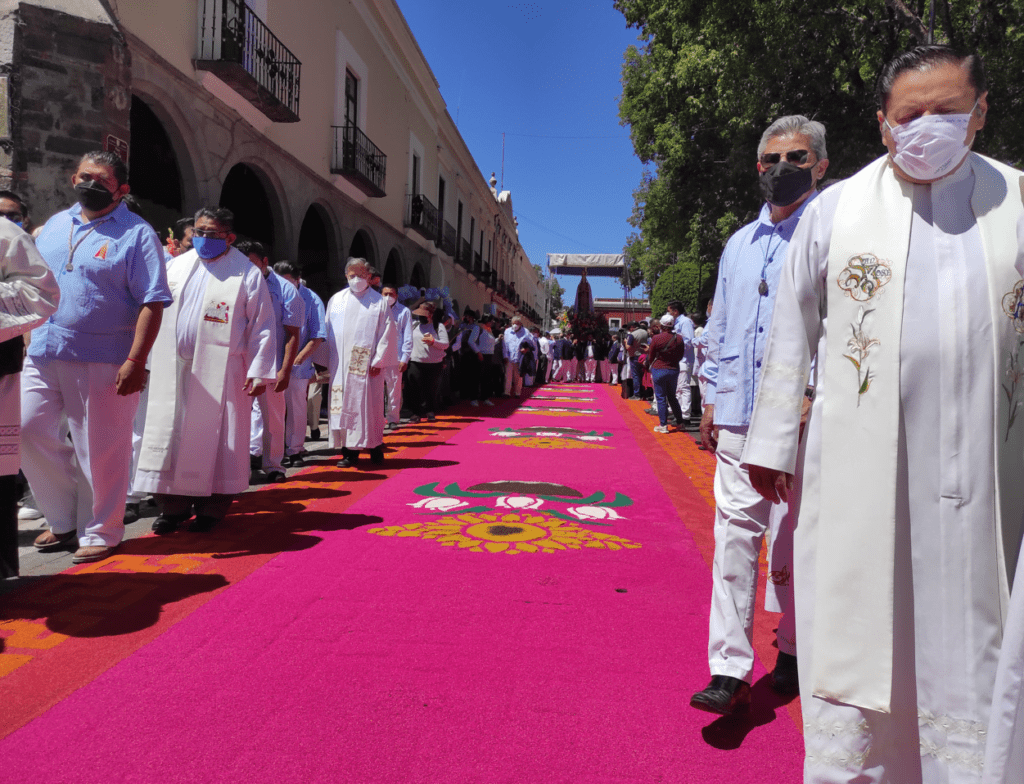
(465, 255)
(359, 160)
(235, 45)
(449, 240)
(478, 264)
(422, 216)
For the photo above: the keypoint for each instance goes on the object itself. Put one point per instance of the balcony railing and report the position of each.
(478, 265)
(422, 216)
(465, 255)
(235, 45)
(359, 160)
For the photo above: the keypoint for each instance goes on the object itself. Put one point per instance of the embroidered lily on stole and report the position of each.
(860, 346)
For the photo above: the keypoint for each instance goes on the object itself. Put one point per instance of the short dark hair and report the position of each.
(253, 247)
(675, 305)
(221, 215)
(183, 223)
(22, 204)
(288, 268)
(924, 58)
(111, 159)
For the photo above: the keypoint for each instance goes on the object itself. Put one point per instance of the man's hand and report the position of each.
(480, 356)
(283, 379)
(773, 485)
(254, 388)
(131, 378)
(708, 431)
(402, 366)
(374, 372)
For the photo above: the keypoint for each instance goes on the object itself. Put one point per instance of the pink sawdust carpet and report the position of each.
(517, 597)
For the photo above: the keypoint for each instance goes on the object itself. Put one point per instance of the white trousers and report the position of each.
(683, 393)
(79, 486)
(393, 383)
(561, 367)
(606, 370)
(313, 402)
(590, 368)
(295, 398)
(569, 367)
(741, 520)
(267, 435)
(513, 379)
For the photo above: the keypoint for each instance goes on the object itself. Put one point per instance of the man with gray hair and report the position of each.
(362, 340)
(791, 160)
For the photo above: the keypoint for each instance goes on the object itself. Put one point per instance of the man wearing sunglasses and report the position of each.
(791, 160)
(910, 524)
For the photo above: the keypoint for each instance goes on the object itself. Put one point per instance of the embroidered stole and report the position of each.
(353, 323)
(194, 434)
(853, 635)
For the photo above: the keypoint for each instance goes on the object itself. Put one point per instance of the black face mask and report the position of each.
(785, 182)
(93, 196)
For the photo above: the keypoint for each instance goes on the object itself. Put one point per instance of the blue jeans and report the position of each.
(665, 380)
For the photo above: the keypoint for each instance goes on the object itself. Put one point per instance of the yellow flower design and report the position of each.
(539, 442)
(508, 533)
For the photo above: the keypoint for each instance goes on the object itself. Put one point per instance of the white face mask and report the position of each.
(392, 300)
(358, 285)
(932, 146)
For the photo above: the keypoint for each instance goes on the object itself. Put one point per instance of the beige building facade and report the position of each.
(318, 122)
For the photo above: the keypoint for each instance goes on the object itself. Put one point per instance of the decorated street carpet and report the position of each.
(520, 595)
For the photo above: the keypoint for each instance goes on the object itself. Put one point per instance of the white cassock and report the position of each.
(28, 295)
(219, 331)
(361, 334)
(943, 582)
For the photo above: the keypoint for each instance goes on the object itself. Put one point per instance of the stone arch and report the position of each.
(318, 252)
(392, 272)
(418, 277)
(248, 193)
(363, 247)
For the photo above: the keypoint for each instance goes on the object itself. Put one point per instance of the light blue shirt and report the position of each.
(403, 320)
(741, 317)
(118, 267)
(512, 340)
(684, 328)
(313, 328)
(289, 310)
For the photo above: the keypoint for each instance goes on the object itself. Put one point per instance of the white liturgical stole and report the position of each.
(853, 636)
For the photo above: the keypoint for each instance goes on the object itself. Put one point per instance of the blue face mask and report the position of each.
(209, 247)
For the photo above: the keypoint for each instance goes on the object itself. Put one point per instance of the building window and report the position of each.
(415, 175)
(614, 323)
(351, 98)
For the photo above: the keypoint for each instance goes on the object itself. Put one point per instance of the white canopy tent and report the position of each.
(609, 265)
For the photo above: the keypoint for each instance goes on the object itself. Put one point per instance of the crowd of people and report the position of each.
(859, 377)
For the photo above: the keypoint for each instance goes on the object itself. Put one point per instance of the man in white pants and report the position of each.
(684, 328)
(312, 334)
(88, 360)
(395, 374)
(267, 438)
(791, 160)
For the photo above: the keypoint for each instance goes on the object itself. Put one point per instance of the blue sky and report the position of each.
(548, 76)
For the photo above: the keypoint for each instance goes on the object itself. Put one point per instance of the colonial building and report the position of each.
(319, 123)
(621, 312)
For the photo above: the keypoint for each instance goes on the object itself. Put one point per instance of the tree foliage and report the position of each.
(710, 75)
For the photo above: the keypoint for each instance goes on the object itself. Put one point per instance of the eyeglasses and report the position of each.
(209, 234)
(798, 157)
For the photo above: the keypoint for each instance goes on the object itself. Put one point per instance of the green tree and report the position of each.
(710, 75)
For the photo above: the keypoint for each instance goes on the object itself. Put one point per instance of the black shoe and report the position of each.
(167, 525)
(274, 478)
(785, 679)
(297, 461)
(203, 524)
(286, 461)
(314, 434)
(131, 513)
(724, 695)
(255, 462)
(377, 456)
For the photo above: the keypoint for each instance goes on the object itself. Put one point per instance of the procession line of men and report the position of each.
(886, 432)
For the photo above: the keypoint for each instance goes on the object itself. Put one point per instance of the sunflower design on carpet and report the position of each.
(511, 533)
(549, 438)
(559, 411)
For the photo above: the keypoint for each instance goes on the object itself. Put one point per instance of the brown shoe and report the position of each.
(90, 554)
(48, 540)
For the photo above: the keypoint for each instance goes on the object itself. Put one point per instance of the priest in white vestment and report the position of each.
(362, 340)
(216, 350)
(904, 282)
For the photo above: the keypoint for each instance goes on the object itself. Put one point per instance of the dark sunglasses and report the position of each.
(792, 156)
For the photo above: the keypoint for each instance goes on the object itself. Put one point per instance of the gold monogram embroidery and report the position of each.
(864, 276)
